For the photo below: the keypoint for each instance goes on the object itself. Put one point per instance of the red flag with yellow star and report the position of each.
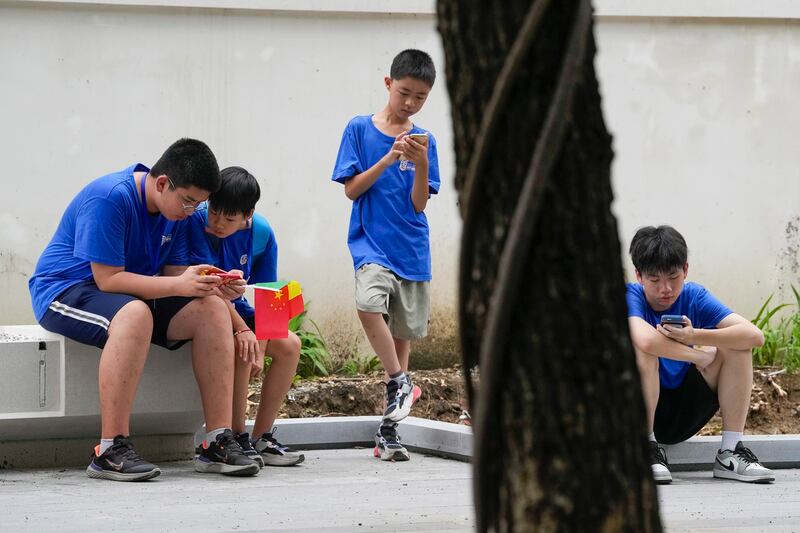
(276, 303)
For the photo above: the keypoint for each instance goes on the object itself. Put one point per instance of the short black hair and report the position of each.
(238, 193)
(413, 64)
(657, 250)
(189, 163)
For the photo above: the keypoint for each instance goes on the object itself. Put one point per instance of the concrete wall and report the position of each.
(700, 105)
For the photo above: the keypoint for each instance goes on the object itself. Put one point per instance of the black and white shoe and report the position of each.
(658, 462)
(120, 462)
(224, 456)
(274, 453)
(247, 447)
(741, 464)
(400, 396)
(387, 444)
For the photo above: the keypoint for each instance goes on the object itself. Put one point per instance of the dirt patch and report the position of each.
(774, 403)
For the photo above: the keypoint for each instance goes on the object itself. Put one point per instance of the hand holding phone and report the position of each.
(226, 277)
(676, 321)
(421, 138)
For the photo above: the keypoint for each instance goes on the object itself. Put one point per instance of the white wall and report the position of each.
(700, 107)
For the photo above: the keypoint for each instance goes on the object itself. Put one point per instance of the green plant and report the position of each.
(361, 364)
(782, 340)
(315, 360)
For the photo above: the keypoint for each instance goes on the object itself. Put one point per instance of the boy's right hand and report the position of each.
(193, 283)
(396, 150)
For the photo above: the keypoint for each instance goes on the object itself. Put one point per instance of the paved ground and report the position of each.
(343, 491)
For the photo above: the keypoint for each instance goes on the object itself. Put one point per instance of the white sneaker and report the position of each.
(399, 399)
(742, 465)
(658, 462)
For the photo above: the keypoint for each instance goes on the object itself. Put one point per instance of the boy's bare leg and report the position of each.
(121, 365)
(732, 379)
(651, 386)
(403, 349)
(380, 338)
(241, 380)
(207, 322)
(285, 355)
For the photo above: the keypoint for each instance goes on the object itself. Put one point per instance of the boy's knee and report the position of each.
(739, 356)
(134, 318)
(287, 348)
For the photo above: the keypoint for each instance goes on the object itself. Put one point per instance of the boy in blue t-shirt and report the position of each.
(389, 168)
(230, 235)
(691, 369)
(114, 276)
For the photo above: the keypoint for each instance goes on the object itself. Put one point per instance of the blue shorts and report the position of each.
(83, 313)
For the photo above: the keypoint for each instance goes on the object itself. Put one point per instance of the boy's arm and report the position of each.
(734, 332)
(647, 339)
(360, 183)
(417, 153)
(188, 283)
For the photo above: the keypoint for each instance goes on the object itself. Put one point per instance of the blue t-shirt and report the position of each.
(695, 302)
(254, 251)
(106, 223)
(384, 227)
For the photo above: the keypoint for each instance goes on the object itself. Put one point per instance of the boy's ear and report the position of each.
(685, 269)
(162, 182)
(249, 214)
(387, 80)
(638, 275)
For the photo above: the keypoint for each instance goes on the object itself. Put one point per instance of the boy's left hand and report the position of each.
(415, 151)
(684, 335)
(247, 347)
(234, 288)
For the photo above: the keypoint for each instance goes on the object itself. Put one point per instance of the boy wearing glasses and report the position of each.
(114, 276)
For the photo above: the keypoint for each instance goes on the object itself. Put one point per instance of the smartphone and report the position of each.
(675, 321)
(420, 138)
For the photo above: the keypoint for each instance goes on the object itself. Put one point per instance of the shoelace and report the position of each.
(270, 437)
(228, 442)
(659, 454)
(124, 448)
(745, 455)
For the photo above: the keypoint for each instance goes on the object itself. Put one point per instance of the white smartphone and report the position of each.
(420, 138)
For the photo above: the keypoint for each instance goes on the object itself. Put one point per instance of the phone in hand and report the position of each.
(676, 321)
(227, 277)
(421, 138)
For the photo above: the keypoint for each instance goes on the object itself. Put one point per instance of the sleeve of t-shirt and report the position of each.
(100, 232)
(347, 161)
(634, 297)
(179, 249)
(433, 168)
(710, 311)
(265, 265)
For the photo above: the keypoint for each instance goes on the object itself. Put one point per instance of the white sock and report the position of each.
(211, 436)
(652, 437)
(730, 439)
(105, 444)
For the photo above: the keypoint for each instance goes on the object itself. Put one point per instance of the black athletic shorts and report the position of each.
(682, 412)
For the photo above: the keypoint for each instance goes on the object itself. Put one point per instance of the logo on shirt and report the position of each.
(243, 260)
(165, 239)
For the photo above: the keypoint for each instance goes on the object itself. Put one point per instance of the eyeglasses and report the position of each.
(187, 208)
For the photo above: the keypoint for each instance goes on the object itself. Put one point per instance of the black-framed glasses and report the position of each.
(187, 208)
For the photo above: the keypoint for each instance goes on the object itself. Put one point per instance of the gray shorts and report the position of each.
(406, 305)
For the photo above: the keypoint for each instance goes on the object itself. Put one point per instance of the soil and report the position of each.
(774, 403)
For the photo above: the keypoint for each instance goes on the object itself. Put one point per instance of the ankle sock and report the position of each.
(652, 437)
(211, 436)
(104, 445)
(398, 377)
(730, 439)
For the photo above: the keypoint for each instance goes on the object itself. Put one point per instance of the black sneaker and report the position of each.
(387, 444)
(247, 447)
(276, 454)
(400, 396)
(224, 456)
(659, 465)
(120, 463)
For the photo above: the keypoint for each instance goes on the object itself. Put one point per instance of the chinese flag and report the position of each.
(272, 313)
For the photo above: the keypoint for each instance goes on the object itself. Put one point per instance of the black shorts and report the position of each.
(682, 412)
(83, 313)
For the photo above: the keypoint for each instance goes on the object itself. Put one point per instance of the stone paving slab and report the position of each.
(344, 491)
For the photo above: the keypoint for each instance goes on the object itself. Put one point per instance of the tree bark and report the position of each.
(559, 420)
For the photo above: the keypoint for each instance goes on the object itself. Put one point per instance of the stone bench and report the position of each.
(49, 412)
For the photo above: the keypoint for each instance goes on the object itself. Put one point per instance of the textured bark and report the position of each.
(560, 438)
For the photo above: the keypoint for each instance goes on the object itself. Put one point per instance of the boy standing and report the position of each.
(230, 235)
(690, 370)
(98, 282)
(389, 168)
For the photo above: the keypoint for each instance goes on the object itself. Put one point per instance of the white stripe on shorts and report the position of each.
(78, 314)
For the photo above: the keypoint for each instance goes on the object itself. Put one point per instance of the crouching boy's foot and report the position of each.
(225, 456)
(400, 396)
(247, 447)
(120, 462)
(387, 444)
(659, 465)
(741, 464)
(273, 453)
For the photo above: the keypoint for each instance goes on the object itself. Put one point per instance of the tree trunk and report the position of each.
(559, 422)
